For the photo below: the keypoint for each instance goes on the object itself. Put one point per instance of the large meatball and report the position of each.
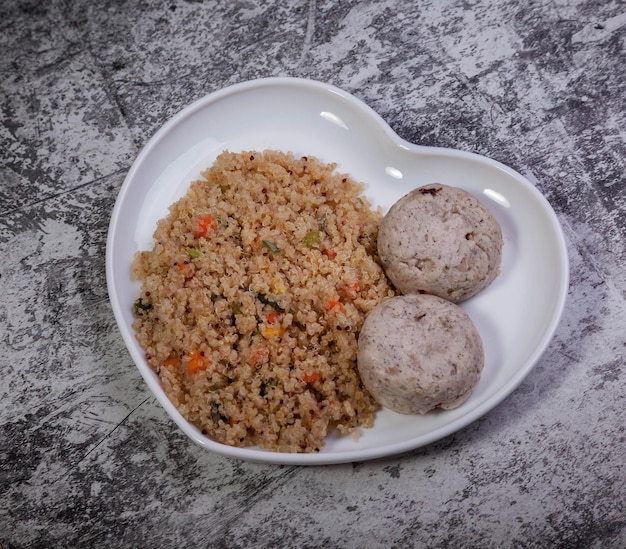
(419, 352)
(440, 240)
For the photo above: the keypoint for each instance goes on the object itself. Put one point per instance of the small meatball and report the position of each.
(440, 240)
(419, 352)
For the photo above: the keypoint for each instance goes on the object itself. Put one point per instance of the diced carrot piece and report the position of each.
(204, 225)
(273, 317)
(172, 361)
(333, 306)
(197, 362)
(351, 291)
(258, 354)
(310, 376)
(331, 254)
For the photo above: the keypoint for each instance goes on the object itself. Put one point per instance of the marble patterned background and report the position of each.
(87, 456)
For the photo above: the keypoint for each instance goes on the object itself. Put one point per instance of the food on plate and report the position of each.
(440, 240)
(419, 352)
(252, 298)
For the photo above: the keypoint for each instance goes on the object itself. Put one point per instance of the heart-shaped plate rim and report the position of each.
(516, 315)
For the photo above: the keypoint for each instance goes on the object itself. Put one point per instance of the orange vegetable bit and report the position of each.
(172, 361)
(310, 376)
(272, 331)
(197, 362)
(204, 225)
(273, 317)
(333, 306)
(185, 268)
(331, 254)
(258, 354)
(351, 291)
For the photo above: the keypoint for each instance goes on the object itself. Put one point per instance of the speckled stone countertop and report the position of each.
(88, 458)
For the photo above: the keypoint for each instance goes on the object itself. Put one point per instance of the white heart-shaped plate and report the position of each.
(516, 315)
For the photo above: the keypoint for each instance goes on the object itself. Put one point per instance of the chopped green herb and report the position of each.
(193, 253)
(271, 246)
(236, 308)
(263, 299)
(141, 308)
(312, 239)
(269, 384)
(216, 415)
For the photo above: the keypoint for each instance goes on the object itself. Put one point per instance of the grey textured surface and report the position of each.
(87, 456)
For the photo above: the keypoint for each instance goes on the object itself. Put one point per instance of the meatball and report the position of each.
(419, 352)
(440, 240)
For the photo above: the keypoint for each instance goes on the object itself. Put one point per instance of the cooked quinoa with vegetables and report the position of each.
(253, 296)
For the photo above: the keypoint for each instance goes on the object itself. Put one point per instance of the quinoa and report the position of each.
(253, 297)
